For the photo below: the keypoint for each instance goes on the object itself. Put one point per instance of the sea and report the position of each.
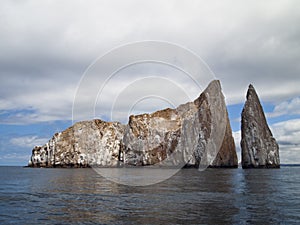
(212, 196)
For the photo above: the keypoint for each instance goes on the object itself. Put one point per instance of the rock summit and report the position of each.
(259, 147)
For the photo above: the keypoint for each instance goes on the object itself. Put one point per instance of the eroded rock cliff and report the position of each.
(194, 134)
(259, 147)
(83, 144)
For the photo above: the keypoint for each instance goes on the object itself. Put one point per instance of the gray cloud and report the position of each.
(291, 107)
(46, 46)
(287, 132)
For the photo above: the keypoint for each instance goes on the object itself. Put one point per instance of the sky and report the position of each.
(47, 48)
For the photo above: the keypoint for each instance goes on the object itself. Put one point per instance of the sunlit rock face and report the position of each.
(183, 136)
(259, 147)
(194, 134)
(151, 138)
(85, 143)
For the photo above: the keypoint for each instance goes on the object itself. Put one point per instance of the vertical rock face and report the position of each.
(85, 143)
(226, 157)
(150, 138)
(259, 147)
(194, 134)
(186, 135)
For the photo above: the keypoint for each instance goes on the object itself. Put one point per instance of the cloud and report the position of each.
(291, 107)
(287, 132)
(13, 159)
(45, 53)
(28, 141)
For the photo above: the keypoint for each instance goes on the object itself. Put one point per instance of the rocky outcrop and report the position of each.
(85, 143)
(194, 134)
(187, 135)
(259, 147)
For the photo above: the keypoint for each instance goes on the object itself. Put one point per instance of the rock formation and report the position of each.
(259, 147)
(194, 134)
(83, 144)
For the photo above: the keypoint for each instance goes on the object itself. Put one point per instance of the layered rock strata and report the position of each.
(194, 134)
(259, 147)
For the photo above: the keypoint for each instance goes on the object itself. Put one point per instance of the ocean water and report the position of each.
(213, 196)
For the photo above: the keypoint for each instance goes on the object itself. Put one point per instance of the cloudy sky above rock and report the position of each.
(47, 46)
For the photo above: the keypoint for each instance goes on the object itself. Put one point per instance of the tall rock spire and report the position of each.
(259, 147)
